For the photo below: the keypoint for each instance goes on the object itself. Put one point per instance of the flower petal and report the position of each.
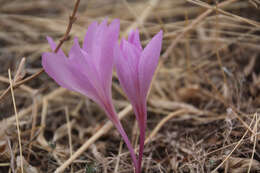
(98, 42)
(102, 53)
(53, 46)
(89, 39)
(148, 63)
(83, 64)
(82, 61)
(133, 38)
(126, 67)
(77, 58)
(107, 55)
(67, 76)
(88, 70)
(131, 56)
(63, 77)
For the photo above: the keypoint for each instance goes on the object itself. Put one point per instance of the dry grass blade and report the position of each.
(162, 122)
(141, 19)
(72, 19)
(237, 145)
(203, 4)
(91, 140)
(69, 132)
(203, 96)
(18, 83)
(255, 140)
(191, 26)
(17, 121)
(118, 157)
(34, 118)
(26, 111)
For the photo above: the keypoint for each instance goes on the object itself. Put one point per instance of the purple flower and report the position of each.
(88, 70)
(135, 68)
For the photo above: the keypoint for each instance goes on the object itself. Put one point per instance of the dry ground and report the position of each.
(202, 108)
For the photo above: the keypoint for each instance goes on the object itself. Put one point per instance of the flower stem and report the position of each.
(114, 118)
(129, 146)
(142, 118)
(141, 148)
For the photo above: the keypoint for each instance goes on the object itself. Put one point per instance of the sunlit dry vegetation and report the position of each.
(202, 108)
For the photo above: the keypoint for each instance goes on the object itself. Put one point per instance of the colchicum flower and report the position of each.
(135, 68)
(88, 70)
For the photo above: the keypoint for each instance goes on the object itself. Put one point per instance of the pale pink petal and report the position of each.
(132, 56)
(134, 39)
(127, 73)
(88, 43)
(53, 46)
(65, 74)
(108, 44)
(98, 42)
(59, 69)
(76, 56)
(83, 64)
(50, 62)
(105, 58)
(81, 60)
(148, 62)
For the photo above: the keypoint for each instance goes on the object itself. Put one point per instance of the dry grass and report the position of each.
(202, 109)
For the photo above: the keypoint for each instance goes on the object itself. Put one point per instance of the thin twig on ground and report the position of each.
(92, 139)
(72, 19)
(17, 121)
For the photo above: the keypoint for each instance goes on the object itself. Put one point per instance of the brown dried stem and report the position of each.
(190, 27)
(72, 19)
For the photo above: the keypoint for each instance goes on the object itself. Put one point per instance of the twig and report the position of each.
(72, 19)
(91, 140)
(26, 111)
(11, 155)
(17, 120)
(206, 5)
(18, 74)
(138, 21)
(34, 118)
(40, 137)
(219, 97)
(217, 51)
(143, 16)
(191, 26)
(162, 122)
(4, 164)
(23, 87)
(69, 132)
(237, 145)
(118, 157)
(255, 139)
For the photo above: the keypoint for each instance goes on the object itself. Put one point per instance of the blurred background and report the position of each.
(203, 104)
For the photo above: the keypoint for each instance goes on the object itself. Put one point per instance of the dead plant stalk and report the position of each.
(72, 19)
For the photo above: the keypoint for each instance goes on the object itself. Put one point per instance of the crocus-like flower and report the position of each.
(135, 68)
(88, 70)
